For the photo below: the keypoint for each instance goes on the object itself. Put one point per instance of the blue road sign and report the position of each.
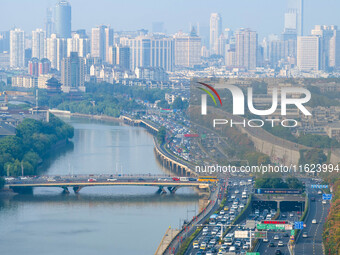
(314, 186)
(298, 225)
(327, 196)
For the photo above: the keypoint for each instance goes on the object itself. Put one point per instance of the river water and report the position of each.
(99, 220)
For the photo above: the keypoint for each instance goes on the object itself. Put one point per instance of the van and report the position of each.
(184, 179)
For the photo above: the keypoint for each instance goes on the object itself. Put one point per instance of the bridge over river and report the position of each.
(77, 182)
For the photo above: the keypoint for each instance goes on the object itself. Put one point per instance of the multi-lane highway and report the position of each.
(318, 211)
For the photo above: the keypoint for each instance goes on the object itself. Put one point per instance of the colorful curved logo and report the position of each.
(209, 93)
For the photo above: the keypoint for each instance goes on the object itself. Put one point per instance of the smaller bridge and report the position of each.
(78, 182)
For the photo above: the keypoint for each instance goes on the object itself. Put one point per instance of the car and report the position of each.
(224, 246)
(280, 244)
(176, 179)
(271, 244)
(278, 252)
(312, 199)
(238, 243)
(276, 237)
(245, 247)
(233, 197)
(265, 240)
(226, 208)
(232, 248)
(91, 180)
(324, 202)
(319, 192)
(314, 221)
(237, 191)
(291, 215)
(195, 245)
(304, 235)
(51, 180)
(111, 180)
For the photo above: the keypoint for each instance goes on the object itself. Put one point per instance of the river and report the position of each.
(99, 220)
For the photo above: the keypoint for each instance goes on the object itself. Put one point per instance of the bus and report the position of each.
(207, 179)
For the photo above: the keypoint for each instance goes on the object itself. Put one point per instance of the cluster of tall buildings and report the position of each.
(71, 53)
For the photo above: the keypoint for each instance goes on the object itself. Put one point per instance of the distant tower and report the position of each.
(48, 22)
(215, 32)
(295, 7)
(62, 19)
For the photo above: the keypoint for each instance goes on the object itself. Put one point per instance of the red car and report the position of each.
(176, 179)
(91, 180)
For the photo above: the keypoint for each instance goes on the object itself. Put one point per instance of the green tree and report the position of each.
(2, 182)
(161, 135)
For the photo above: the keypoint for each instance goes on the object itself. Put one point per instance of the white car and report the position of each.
(238, 243)
(111, 180)
(314, 221)
(304, 235)
(265, 240)
(276, 237)
(280, 244)
(324, 202)
(237, 191)
(232, 248)
(245, 247)
(319, 192)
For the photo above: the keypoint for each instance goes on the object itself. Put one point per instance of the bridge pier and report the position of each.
(76, 189)
(161, 190)
(172, 189)
(65, 190)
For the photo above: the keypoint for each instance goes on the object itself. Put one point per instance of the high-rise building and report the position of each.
(17, 48)
(150, 51)
(246, 48)
(120, 56)
(56, 50)
(102, 40)
(48, 23)
(4, 41)
(78, 43)
(294, 16)
(38, 44)
(73, 73)
(215, 32)
(329, 46)
(308, 53)
(62, 19)
(187, 49)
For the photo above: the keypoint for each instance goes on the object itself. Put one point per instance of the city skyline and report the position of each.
(234, 15)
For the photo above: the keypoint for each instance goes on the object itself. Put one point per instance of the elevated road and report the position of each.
(78, 182)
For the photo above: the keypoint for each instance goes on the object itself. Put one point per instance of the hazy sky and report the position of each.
(264, 16)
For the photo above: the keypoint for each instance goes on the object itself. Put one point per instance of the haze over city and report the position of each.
(264, 16)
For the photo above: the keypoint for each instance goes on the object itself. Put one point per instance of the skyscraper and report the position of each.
(150, 51)
(62, 19)
(48, 23)
(215, 32)
(246, 48)
(38, 44)
(120, 56)
(187, 49)
(102, 40)
(73, 73)
(17, 48)
(295, 13)
(78, 43)
(308, 48)
(56, 50)
(329, 46)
